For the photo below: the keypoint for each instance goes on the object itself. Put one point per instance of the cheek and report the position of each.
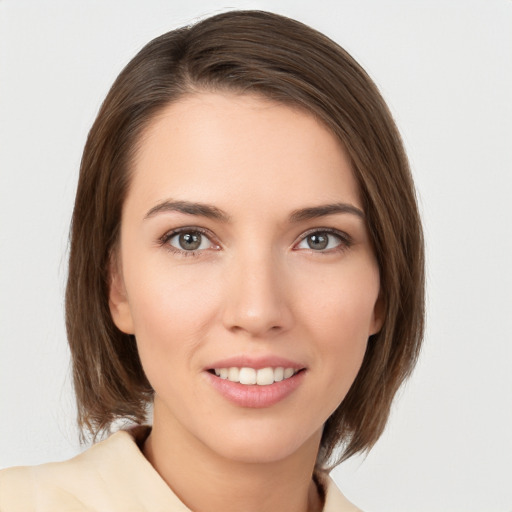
(166, 295)
(341, 300)
(338, 311)
(171, 309)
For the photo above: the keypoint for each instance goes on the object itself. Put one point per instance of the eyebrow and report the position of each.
(324, 210)
(190, 208)
(212, 212)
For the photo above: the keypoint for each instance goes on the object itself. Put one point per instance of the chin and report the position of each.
(265, 445)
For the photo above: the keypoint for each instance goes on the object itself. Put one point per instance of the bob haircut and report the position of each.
(285, 61)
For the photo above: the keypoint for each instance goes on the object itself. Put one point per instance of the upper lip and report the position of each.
(245, 361)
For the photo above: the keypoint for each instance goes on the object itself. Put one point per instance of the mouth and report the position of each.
(248, 376)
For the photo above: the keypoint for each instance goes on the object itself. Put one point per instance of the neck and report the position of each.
(206, 481)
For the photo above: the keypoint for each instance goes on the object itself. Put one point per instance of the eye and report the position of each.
(188, 241)
(323, 241)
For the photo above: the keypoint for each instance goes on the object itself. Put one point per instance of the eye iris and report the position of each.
(190, 241)
(318, 241)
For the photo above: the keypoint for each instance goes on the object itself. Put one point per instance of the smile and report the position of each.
(251, 376)
(245, 386)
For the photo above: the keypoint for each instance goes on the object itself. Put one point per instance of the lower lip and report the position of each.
(255, 396)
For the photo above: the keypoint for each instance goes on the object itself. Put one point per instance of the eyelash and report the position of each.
(345, 241)
(164, 240)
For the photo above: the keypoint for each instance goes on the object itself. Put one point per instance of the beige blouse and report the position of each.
(111, 476)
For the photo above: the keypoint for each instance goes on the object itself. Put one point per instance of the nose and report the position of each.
(257, 300)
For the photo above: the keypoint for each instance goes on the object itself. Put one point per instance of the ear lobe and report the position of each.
(379, 312)
(118, 300)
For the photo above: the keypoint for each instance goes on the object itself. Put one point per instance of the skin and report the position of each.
(254, 288)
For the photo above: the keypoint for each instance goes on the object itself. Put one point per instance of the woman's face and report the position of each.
(246, 273)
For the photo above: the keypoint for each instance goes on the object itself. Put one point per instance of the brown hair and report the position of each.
(284, 60)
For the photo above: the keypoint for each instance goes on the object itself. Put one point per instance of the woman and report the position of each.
(246, 258)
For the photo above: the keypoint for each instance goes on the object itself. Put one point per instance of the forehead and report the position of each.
(217, 147)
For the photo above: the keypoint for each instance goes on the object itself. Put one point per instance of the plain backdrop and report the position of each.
(445, 68)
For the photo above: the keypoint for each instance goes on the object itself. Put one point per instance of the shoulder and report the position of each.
(335, 501)
(16, 482)
(44, 487)
(105, 477)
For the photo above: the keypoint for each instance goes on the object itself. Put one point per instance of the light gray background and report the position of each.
(446, 70)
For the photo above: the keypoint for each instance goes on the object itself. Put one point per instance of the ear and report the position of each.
(379, 313)
(118, 299)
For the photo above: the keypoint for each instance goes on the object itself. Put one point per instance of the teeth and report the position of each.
(278, 374)
(250, 376)
(265, 376)
(247, 376)
(234, 374)
(288, 372)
